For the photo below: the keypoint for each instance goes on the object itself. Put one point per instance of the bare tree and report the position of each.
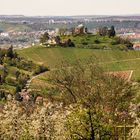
(99, 100)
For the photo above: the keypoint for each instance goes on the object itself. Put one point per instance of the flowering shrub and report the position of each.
(20, 121)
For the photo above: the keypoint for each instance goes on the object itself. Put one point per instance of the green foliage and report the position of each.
(15, 70)
(40, 69)
(97, 41)
(104, 31)
(126, 42)
(10, 81)
(2, 95)
(110, 60)
(18, 88)
(44, 38)
(79, 125)
(68, 43)
(112, 32)
(10, 52)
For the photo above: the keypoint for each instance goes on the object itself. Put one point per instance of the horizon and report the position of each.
(102, 15)
(69, 8)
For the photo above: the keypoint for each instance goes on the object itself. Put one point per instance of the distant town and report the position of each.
(22, 32)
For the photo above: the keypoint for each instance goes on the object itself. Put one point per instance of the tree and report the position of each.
(28, 122)
(44, 37)
(69, 43)
(98, 100)
(58, 40)
(103, 31)
(18, 89)
(18, 97)
(111, 32)
(1, 80)
(10, 52)
(17, 74)
(62, 31)
(124, 41)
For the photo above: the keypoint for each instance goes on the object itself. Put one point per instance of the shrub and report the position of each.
(10, 81)
(97, 41)
(85, 43)
(114, 43)
(40, 69)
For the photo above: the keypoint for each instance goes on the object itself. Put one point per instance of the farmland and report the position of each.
(109, 60)
(112, 60)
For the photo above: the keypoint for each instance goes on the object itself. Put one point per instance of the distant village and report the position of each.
(27, 39)
(19, 39)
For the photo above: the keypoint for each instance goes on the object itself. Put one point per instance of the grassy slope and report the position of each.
(90, 41)
(112, 60)
(11, 74)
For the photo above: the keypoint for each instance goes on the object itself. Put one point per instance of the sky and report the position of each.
(69, 7)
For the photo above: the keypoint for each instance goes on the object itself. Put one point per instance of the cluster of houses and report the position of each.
(19, 39)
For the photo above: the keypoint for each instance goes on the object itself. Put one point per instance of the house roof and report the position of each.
(80, 26)
(137, 45)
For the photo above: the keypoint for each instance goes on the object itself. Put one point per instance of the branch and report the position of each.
(80, 135)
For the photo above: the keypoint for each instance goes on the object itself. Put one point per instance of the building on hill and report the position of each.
(80, 29)
(136, 46)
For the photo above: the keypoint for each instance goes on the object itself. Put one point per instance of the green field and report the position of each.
(110, 60)
(94, 41)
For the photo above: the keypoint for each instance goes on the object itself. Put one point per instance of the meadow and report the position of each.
(109, 60)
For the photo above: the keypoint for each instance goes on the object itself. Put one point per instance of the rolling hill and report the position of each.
(109, 60)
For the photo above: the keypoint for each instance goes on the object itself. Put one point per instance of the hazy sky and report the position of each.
(69, 7)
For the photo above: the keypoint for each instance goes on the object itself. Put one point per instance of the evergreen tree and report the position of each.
(44, 37)
(111, 32)
(10, 52)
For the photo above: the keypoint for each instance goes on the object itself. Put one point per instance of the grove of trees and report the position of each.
(100, 102)
(16, 71)
(86, 104)
(105, 31)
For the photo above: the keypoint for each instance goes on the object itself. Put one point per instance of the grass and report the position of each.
(110, 60)
(8, 88)
(93, 41)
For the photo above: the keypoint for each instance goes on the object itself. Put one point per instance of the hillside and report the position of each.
(14, 27)
(97, 41)
(109, 60)
(112, 54)
(15, 72)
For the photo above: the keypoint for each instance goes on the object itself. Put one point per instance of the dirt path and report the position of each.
(26, 88)
(53, 69)
(130, 75)
(117, 61)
